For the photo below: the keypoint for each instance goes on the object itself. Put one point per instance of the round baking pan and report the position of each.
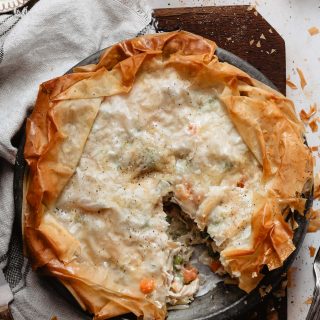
(222, 302)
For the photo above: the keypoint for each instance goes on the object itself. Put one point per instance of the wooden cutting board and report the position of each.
(244, 32)
(238, 29)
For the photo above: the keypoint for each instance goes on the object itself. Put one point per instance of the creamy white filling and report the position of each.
(161, 137)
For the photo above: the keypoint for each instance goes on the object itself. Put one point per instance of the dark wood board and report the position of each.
(232, 28)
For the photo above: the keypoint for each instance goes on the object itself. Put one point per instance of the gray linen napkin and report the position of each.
(36, 46)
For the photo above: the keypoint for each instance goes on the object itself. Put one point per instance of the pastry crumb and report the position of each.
(313, 125)
(313, 31)
(312, 251)
(314, 148)
(294, 223)
(291, 85)
(303, 81)
(262, 36)
(306, 116)
(258, 44)
(314, 220)
(309, 300)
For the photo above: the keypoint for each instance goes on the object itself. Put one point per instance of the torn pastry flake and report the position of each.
(313, 31)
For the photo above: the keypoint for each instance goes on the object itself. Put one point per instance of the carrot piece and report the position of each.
(189, 274)
(303, 81)
(147, 285)
(215, 265)
(309, 300)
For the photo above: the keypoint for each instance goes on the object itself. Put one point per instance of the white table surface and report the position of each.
(291, 19)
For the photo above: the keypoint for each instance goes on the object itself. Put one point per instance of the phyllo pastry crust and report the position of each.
(155, 149)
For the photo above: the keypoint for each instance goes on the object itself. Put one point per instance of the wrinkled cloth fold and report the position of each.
(36, 46)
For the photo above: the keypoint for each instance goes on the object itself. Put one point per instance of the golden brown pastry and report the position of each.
(158, 119)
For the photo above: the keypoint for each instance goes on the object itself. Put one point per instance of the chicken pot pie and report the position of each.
(158, 147)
